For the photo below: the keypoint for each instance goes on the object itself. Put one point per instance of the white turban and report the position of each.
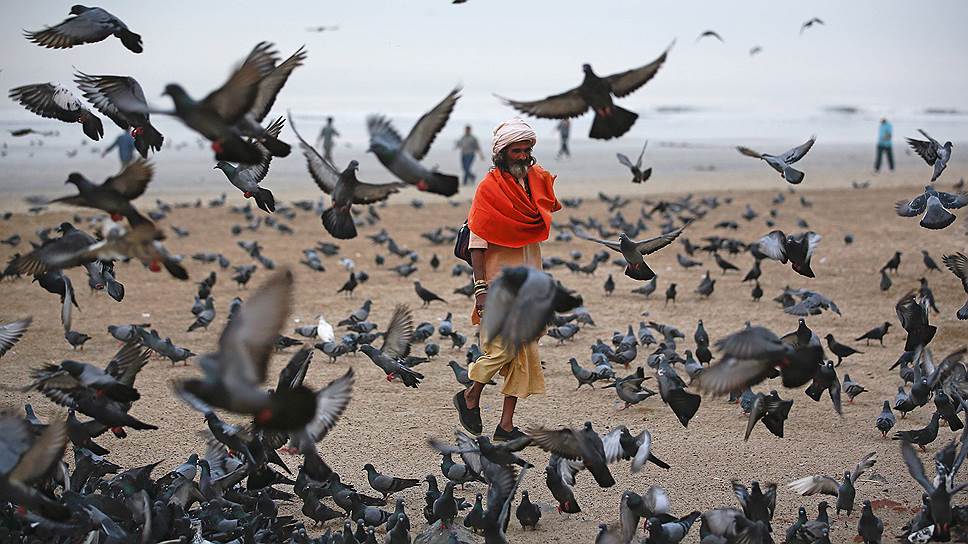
(511, 131)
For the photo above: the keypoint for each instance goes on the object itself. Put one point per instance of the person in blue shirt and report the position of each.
(884, 134)
(125, 144)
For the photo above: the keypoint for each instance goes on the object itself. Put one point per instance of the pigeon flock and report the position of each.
(246, 362)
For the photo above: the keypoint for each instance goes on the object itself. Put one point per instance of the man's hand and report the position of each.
(480, 302)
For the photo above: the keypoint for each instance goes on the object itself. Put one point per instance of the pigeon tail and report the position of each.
(92, 127)
(684, 405)
(612, 122)
(275, 146)
(339, 223)
(792, 175)
(175, 269)
(441, 184)
(131, 40)
(937, 218)
(639, 271)
(963, 312)
(265, 200)
(148, 138)
(115, 290)
(804, 269)
(601, 474)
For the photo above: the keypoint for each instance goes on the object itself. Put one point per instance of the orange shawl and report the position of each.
(502, 213)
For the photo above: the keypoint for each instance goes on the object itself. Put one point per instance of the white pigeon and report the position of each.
(324, 330)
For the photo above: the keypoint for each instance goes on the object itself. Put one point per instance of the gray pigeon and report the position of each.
(402, 156)
(122, 100)
(583, 375)
(55, 101)
(215, 116)
(387, 485)
(345, 189)
(932, 152)
(781, 163)
(521, 303)
(246, 177)
(396, 347)
(885, 420)
(957, 263)
(88, 25)
(638, 175)
(633, 251)
(115, 194)
(934, 205)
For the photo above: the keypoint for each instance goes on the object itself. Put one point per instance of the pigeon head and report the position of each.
(65, 227)
(78, 9)
(587, 69)
(177, 94)
(353, 165)
(368, 467)
(75, 178)
(223, 166)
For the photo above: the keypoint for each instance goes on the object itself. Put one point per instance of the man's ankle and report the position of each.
(467, 400)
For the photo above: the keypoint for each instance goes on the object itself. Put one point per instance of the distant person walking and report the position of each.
(326, 136)
(469, 147)
(564, 130)
(884, 135)
(125, 144)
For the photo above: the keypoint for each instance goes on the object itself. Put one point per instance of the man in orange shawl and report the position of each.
(509, 217)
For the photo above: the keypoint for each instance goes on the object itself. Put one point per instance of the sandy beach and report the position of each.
(388, 425)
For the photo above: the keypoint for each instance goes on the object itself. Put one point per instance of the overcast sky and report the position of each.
(400, 57)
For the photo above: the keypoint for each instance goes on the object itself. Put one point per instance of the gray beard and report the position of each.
(519, 170)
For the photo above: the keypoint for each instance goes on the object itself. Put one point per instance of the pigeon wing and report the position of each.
(610, 244)
(11, 333)
(773, 245)
(815, 484)
(322, 171)
(132, 180)
(424, 132)
(48, 100)
(271, 84)
(749, 152)
(368, 193)
(612, 443)
(260, 170)
(70, 32)
(865, 463)
(924, 149)
(399, 333)
(646, 247)
(624, 160)
(45, 451)
(953, 201)
(625, 83)
(798, 152)
(560, 106)
(237, 95)
(331, 402)
(912, 208)
(563, 442)
(914, 466)
(249, 339)
(113, 96)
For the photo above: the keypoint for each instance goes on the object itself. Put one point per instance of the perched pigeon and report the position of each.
(402, 156)
(57, 102)
(885, 420)
(826, 485)
(89, 25)
(932, 152)
(596, 93)
(781, 163)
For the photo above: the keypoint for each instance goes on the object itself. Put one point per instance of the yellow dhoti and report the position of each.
(521, 371)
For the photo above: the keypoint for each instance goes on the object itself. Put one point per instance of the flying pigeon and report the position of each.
(246, 177)
(88, 25)
(122, 100)
(345, 189)
(595, 92)
(57, 102)
(932, 152)
(934, 205)
(638, 175)
(402, 156)
(781, 163)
